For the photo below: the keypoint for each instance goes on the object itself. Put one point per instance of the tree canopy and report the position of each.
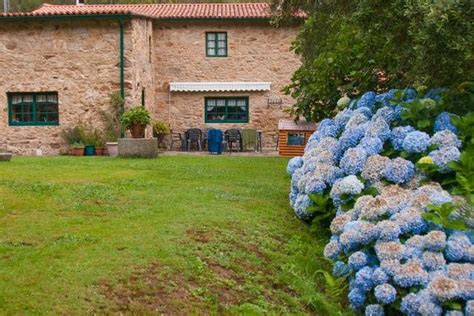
(348, 47)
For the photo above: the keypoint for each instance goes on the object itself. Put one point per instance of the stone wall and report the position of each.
(78, 59)
(256, 52)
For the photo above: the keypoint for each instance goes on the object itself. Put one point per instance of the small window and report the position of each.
(216, 44)
(227, 110)
(295, 139)
(33, 109)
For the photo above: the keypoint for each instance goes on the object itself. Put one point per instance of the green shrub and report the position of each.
(136, 115)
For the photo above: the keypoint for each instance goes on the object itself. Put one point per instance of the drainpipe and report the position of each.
(122, 63)
(122, 75)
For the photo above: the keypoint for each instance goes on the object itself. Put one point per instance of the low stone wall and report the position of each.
(138, 147)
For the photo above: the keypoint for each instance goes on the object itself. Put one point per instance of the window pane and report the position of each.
(211, 36)
(221, 36)
(211, 51)
(295, 139)
(221, 52)
(52, 98)
(41, 98)
(27, 98)
(221, 44)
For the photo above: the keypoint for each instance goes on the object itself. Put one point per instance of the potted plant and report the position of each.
(89, 139)
(160, 130)
(77, 149)
(73, 136)
(136, 119)
(99, 142)
(112, 124)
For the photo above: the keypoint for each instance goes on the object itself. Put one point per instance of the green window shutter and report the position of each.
(33, 109)
(226, 109)
(216, 44)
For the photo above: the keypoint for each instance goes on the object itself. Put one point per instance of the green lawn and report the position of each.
(174, 235)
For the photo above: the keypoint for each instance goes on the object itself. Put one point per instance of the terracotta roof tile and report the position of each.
(159, 11)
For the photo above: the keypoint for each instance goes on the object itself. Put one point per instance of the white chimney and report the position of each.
(79, 2)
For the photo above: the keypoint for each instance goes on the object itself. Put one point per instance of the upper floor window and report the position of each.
(226, 110)
(216, 44)
(33, 108)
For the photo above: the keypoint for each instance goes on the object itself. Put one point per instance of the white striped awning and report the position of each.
(219, 86)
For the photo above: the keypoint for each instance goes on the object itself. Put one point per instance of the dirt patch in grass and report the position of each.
(201, 235)
(150, 290)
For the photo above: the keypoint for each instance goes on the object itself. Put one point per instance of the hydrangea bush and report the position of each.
(393, 257)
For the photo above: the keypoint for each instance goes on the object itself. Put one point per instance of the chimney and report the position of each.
(79, 2)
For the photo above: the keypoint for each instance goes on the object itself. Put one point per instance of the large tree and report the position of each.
(352, 46)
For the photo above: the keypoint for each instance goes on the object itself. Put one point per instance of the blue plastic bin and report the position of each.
(214, 139)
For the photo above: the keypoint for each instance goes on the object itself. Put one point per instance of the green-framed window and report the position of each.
(216, 44)
(26, 109)
(226, 109)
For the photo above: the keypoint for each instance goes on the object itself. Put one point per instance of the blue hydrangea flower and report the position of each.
(340, 269)
(445, 138)
(295, 179)
(371, 145)
(328, 172)
(351, 137)
(453, 313)
(374, 310)
(457, 246)
(435, 240)
(409, 94)
(356, 120)
(379, 277)
(411, 274)
(399, 170)
(326, 122)
(385, 293)
(292, 196)
(363, 279)
(409, 304)
(301, 204)
(357, 233)
(410, 220)
(443, 121)
(469, 307)
(342, 118)
(433, 260)
(367, 100)
(397, 136)
(349, 185)
(293, 164)
(378, 128)
(388, 230)
(365, 111)
(358, 260)
(357, 298)
(332, 249)
(387, 113)
(353, 161)
(314, 185)
(441, 157)
(416, 142)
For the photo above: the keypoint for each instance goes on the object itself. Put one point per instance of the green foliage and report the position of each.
(465, 126)
(420, 113)
(161, 128)
(441, 215)
(72, 135)
(349, 47)
(335, 288)
(111, 118)
(323, 208)
(464, 170)
(136, 115)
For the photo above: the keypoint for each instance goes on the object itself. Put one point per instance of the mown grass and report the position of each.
(175, 235)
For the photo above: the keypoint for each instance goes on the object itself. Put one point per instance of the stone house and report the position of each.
(192, 65)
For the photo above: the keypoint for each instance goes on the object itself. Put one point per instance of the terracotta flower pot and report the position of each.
(137, 130)
(100, 151)
(77, 151)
